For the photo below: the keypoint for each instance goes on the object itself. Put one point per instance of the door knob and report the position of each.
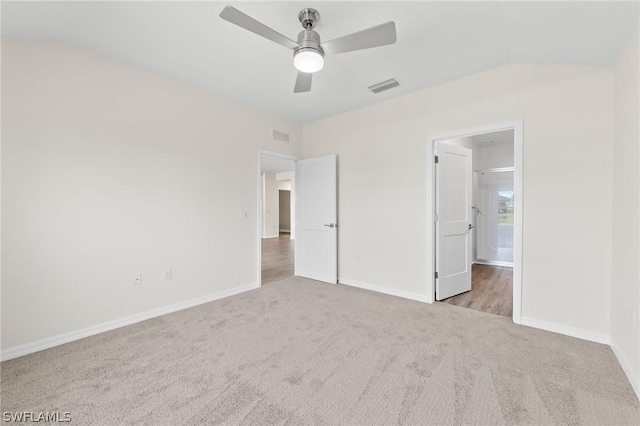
(471, 226)
(331, 225)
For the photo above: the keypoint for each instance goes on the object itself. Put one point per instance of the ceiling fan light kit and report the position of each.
(308, 60)
(309, 51)
(309, 57)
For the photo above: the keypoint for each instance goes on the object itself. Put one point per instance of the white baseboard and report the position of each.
(566, 330)
(495, 263)
(271, 236)
(626, 367)
(61, 339)
(385, 290)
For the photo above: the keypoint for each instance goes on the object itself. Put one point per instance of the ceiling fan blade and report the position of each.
(380, 35)
(303, 82)
(245, 21)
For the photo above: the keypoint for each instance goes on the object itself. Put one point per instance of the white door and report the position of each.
(453, 226)
(316, 219)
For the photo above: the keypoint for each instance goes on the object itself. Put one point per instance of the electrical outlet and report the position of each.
(166, 274)
(137, 279)
(356, 258)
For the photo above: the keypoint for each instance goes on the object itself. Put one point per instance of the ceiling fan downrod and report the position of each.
(309, 18)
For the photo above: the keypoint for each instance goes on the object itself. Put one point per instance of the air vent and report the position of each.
(385, 85)
(280, 136)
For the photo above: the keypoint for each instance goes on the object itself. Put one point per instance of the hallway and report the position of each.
(277, 258)
(491, 291)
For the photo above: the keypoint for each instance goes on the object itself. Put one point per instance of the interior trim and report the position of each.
(61, 339)
(384, 290)
(626, 367)
(580, 333)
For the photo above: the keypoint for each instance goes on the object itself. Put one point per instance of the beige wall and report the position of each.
(567, 112)
(108, 171)
(625, 290)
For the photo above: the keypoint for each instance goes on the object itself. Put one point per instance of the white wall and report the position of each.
(625, 287)
(271, 206)
(486, 157)
(272, 183)
(284, 185)
(493, 156)
(107, 171)
(463, 142)
(567, 112)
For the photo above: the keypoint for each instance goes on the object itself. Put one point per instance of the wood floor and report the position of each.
(277, 258)
(492, 286)
(491, 291)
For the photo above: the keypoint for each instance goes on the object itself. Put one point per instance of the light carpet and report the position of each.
(302, 352)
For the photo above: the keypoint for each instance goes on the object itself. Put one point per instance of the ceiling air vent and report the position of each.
(385, 85)
(280, 136)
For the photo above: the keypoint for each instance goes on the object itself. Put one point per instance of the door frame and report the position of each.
(261, 153)
(518, 132)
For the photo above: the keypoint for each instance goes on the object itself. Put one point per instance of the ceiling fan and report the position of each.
(309, 51)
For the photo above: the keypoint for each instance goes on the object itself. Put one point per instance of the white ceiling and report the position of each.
(437, 42)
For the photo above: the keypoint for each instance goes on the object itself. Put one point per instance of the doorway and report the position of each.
(277, 216)
(474, 232)
(494, 214)
(303, 240)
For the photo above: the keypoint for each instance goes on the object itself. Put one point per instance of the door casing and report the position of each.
(261, 153)
(518, 129)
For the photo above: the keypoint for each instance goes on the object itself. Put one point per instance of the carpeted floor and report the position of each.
(299, 351)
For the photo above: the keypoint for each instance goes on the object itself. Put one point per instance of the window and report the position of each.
(505, 207)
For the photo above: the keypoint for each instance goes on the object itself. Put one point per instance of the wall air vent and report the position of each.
(385, 85)
(280, 136)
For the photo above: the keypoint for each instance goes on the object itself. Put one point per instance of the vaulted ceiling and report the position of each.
(437, 42)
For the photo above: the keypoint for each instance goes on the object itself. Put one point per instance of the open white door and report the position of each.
(453, 226)
(316, 224)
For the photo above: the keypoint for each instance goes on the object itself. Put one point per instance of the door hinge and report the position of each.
(436, 217)
(436, 275)
(436, 158)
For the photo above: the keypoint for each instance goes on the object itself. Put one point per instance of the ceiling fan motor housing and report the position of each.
(309, 40)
